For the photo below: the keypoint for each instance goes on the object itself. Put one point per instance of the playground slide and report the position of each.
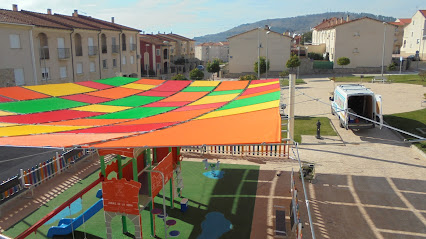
(67, 225)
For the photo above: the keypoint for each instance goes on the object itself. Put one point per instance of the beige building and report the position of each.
(361, 40)
(209, 51)
(414, 36)
(399, 33)
(53, 48)
(243, 50)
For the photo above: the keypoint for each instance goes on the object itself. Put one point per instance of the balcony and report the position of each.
(63, 53)
(44, 53)
(93, 50)
(133, 47)
(115, 48)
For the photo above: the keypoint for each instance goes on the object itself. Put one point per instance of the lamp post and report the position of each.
(420, 43)
(383, 52)
(298, 55)
(147, 70)
(267, 59)
(168, 57)
(258, 53)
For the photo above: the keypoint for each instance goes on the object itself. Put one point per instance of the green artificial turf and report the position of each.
(407, 79)
(308, 126)
(134, 101)
(225, 92)
(39, 105)
(233, 195)
(409, 121)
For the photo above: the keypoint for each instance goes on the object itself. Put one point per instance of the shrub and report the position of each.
(179, 77)
(392, 66)
(315, 56)
(293, 62)
(248, 77)
(196, 74)
(284, 74)
(343, 61)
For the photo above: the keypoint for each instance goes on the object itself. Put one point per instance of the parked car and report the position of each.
(413, 58)
(200, 67)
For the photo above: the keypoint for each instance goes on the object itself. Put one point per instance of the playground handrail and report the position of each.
(263, 150)
(46, 218)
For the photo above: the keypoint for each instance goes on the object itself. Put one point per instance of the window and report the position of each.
(405, 41)
(19, 76)
(412, 33)
(114, 63)
(158, 52)
(15, 42)
(92, 66)
(418, 41)
(45, 73)
(356, 34)
(79, 68)
(78, 47)
(104, 64)
(63, 72)
(124, 60)
(158, 66)
(172, 51)
(413, 22)
(132, 59)
(355, 51)
(104, 43)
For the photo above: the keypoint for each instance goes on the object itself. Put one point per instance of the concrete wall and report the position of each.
(243, 50)
(16, 58)
(413, 40)
(320, 48)
(362, 42)
(209, 53)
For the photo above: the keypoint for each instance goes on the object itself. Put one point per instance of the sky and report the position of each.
(191, 18)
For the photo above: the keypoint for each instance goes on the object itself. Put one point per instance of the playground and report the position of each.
(213, 205)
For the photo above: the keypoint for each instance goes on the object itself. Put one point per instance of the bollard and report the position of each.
(318, 130)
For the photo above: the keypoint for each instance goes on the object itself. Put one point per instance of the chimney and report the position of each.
(347, 18)
(75, 14)
(15, 7)
(112, 19)
(49, 11)
(341, 20)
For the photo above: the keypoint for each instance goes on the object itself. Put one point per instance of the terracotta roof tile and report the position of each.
(405, 20)
(254, 30)
(345, 22)
(22, 16)
(60, 20)
(423, 12)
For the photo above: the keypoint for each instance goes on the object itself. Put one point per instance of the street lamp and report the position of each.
(168, 57)
(298, 55)
(420, 43)
(147, 70)
(258, 53)
(384, 40)
(267, 59)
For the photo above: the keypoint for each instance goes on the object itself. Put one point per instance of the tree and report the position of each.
(343, 61)
(179, 77)
(196, 74)
(262, 65)
(293, 62)
(213, 67)
(306, 37)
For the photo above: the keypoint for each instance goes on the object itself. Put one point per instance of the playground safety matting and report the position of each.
(128, 112)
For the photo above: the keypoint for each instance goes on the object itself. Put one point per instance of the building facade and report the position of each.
(361, 40)
(243, 50)
(414, 36)
(209, 51)
(54, 48)
(399, 33)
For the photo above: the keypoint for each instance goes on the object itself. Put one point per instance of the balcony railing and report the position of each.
(63, 53)
(93, 50)
(133, 47)
(44, 53)
(115, 48)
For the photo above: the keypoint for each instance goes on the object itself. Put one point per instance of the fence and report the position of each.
(261, 150)
(323, 65)
(40, 173)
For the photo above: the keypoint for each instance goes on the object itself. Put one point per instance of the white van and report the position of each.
(353, 100)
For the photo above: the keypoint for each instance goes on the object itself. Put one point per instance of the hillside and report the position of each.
(299, 24)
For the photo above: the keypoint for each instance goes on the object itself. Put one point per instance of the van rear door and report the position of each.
(379, 112)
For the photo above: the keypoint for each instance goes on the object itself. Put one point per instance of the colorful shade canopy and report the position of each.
(124, 112)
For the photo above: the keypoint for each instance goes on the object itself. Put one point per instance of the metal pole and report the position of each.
(147, 70)
(258, 53)
(290, 129)
(420, 43)
(311, 225)
(164, 200)
(267, 38)
(298, 55)
(383, 53)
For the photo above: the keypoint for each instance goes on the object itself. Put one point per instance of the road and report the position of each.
(13, 159)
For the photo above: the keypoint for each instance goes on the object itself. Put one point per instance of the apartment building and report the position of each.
(399, 33)
(243, 50)
(53, 48)
(209, 51)
(414, 36)
(151, 50)
(361, 40)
